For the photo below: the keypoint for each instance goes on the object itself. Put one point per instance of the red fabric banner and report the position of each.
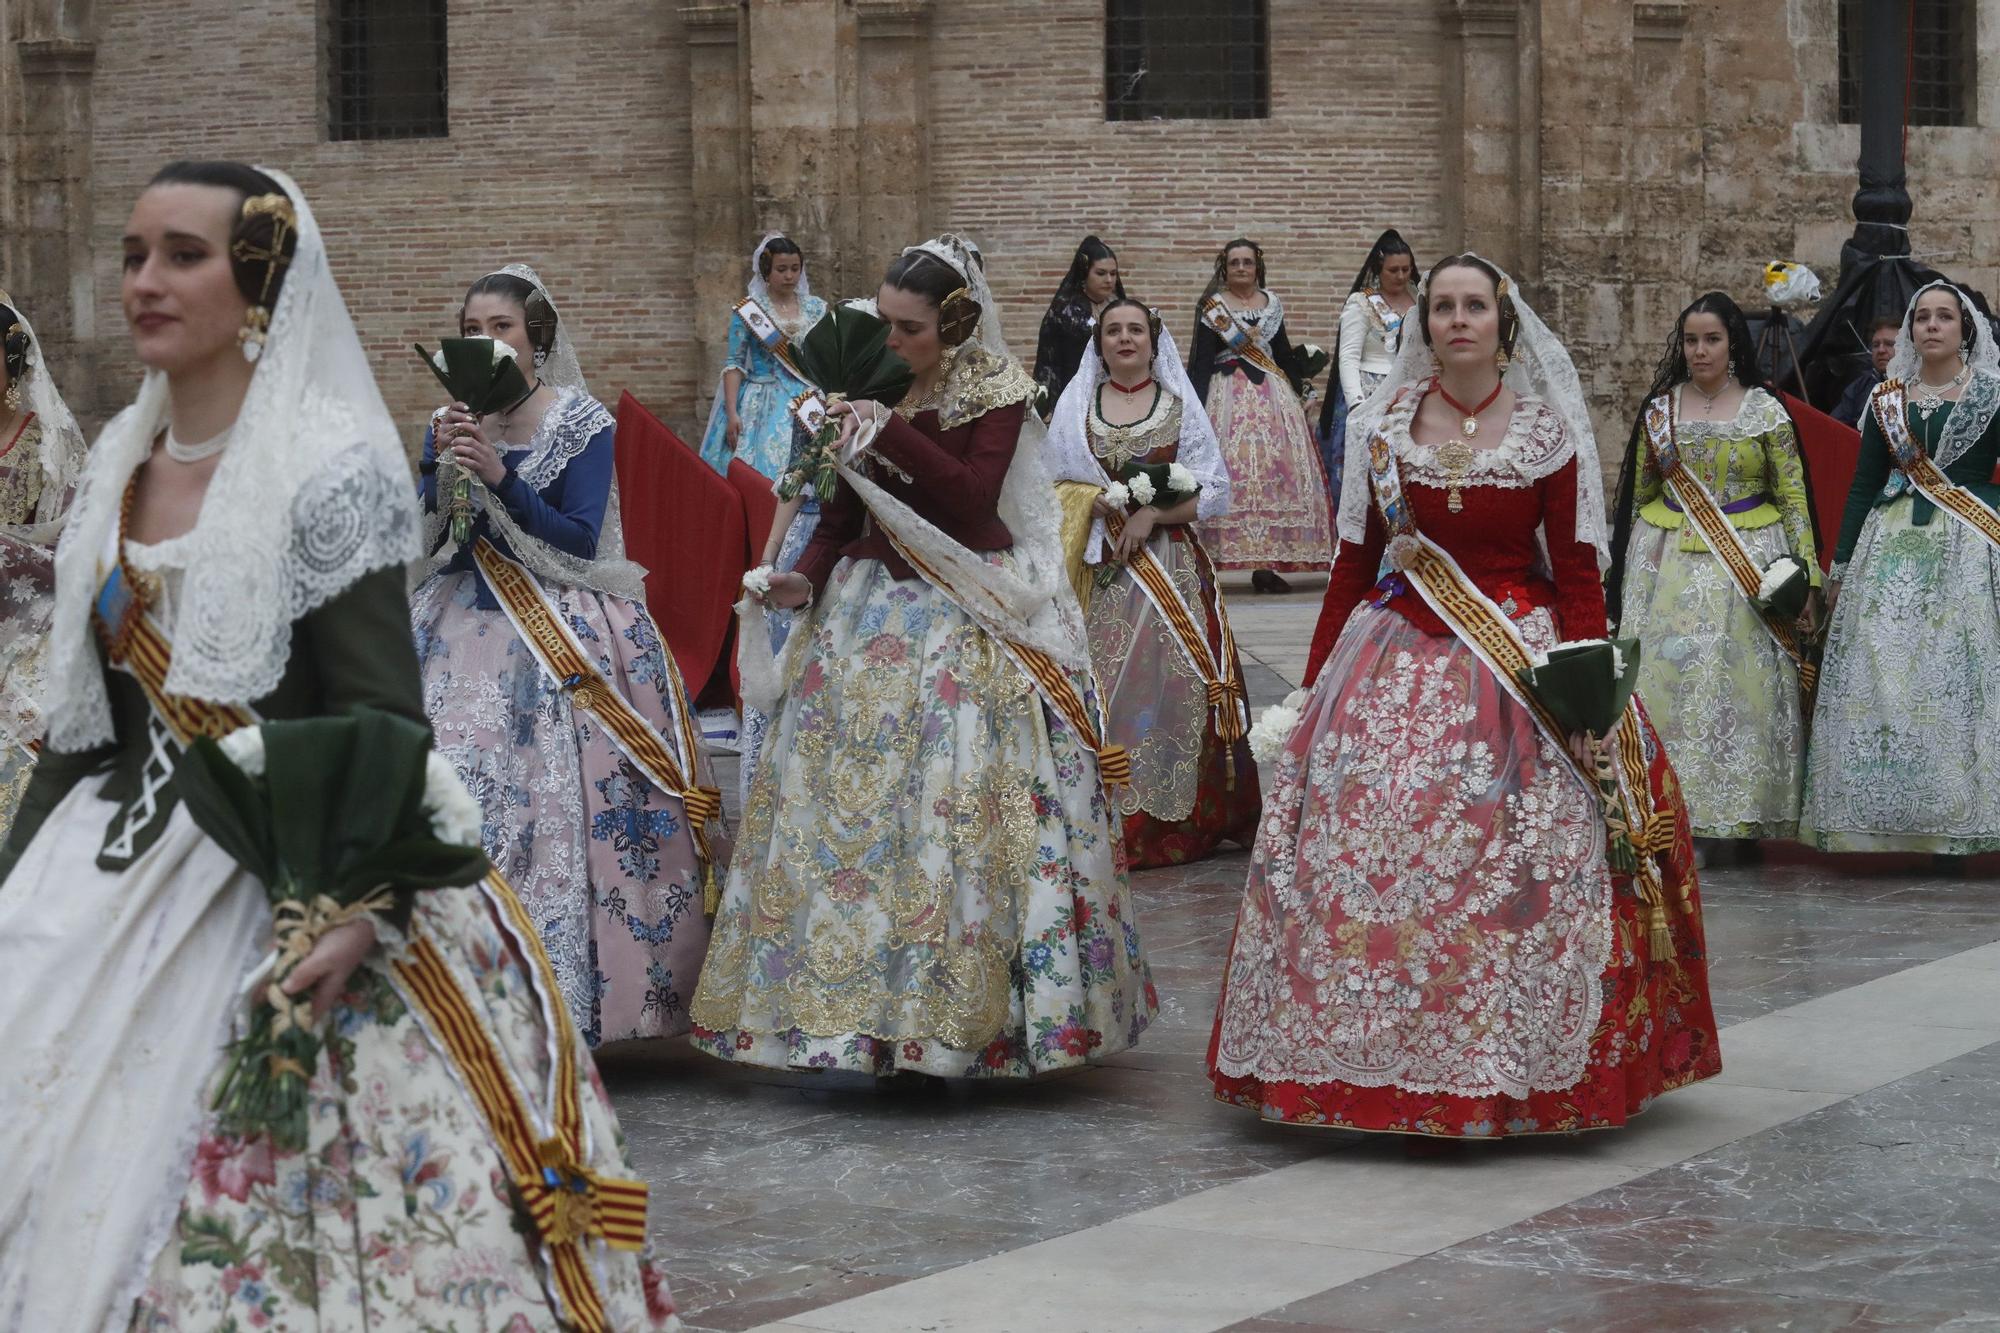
(686, 525)
(1832, 449)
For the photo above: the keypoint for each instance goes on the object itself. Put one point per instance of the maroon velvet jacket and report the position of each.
(955, 479)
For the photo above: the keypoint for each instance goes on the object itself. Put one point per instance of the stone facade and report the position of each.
(1618, 155)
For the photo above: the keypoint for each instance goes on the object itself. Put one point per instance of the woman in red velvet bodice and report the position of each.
(928, 878)
(1432, 940)
(1493, 538)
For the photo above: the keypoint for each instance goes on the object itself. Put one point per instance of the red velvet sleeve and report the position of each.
(839, 524)
(1579, 585)
(1353, 575)
(962, 488)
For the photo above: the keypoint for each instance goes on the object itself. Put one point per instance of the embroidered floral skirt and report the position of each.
(118, 991)
(1278, 512)
(1724, 696)
(927, 876)
(16, 767)
(604, 861)
(756, 724)
(1906, 734)
(1189, 790)
(1430, 941)
(764, 434)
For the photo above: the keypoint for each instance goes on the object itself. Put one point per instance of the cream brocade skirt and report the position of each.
(928, 877)
(1723, 695)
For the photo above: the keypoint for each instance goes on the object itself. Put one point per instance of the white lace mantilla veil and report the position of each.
(1072, 459)
(1540, 368)
(572, 421)
(313, 491)
(63, 446)
(758, 288)
(1982, 395)
(1028, 600)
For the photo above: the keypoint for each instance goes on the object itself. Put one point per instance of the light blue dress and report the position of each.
(763, 400)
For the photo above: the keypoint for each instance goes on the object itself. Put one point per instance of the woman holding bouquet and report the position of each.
(1068, 325)
(1159, 636)
(551, 689)
(1244, 373)
(1451, 927)
(41, 452)
(236, 553)
(928, 879)
(1370, 323)
(1719, 666)
(1906, 740)
(751, 418)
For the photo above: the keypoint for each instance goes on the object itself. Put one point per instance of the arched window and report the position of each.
(1187, 60)
(385, 69)
(1944, 61)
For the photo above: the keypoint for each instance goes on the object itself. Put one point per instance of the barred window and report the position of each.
(1187, 60)
(1944, 62)
(385, 69)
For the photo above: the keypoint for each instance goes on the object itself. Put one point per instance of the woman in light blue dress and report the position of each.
(752, 416)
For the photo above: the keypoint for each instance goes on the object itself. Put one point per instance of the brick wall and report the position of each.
(1023, 159)
(569, 150)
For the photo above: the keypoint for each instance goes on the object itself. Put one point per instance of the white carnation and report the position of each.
(244, 748)
(1180, 480)
(1275, 725)
(454, 815)
(437, 359)
(1776, 575)
(758, 581)
(1141, 487)
(503, 352)
(1312, 350)
(1117, 496)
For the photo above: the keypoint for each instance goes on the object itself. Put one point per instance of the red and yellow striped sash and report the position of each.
(1722, 537)
(1225, 687)
(1922, 470)
(567, 664)
(1114, 764)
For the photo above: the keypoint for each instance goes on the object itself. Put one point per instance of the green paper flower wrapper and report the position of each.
(482, 374)
(336, 817)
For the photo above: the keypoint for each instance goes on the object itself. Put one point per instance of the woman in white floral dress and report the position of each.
(236, 552)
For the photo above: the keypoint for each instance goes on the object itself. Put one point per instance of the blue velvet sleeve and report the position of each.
(427, 471)
(569, 515)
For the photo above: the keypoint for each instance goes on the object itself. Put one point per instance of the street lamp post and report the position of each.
(1882, 204)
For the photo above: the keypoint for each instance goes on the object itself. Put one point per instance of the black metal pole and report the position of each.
(1882, 204)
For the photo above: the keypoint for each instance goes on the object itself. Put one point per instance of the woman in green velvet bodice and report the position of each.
(236, 554)
(1906, 741)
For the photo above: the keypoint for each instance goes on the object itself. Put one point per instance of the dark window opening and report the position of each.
(1187, 60)
(385, 69)
(1944, 63)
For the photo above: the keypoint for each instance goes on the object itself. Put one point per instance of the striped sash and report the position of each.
(1700, 506)
(1923, 472)
(1114, 763)
(1221, 679)
(571, 1206)
(766, 331)
(563, 658)
(1239, 340)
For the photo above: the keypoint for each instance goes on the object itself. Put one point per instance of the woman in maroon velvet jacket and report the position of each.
(928, 877)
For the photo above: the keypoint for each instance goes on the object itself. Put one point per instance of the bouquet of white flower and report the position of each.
(1784, 588)
(1275, 725)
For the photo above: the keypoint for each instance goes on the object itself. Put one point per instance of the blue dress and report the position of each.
(763, 400)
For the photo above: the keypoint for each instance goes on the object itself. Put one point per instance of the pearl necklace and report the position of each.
(195, 453)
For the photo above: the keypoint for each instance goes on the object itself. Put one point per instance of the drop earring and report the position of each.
(250, 338)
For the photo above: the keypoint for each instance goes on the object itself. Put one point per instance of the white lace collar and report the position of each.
(1534, 446)
(572, 421)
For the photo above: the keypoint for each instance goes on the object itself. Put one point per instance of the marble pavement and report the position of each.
(1844, 1173)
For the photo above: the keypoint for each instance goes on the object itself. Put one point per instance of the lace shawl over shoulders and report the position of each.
(571, 423)
(1536, 446)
